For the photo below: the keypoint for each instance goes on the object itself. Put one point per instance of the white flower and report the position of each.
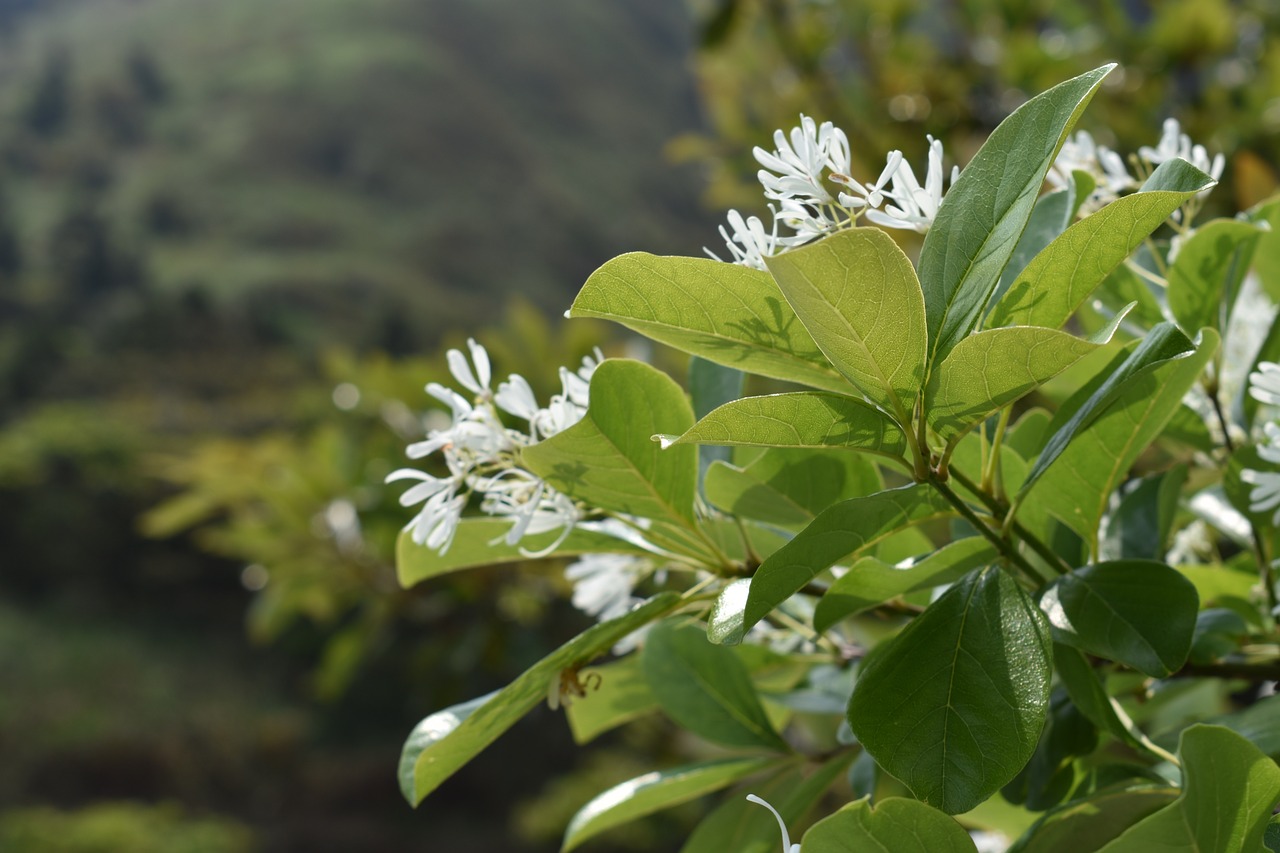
(749, 244)
(787, 846)
(603, 583)
(477, 383)
(868, 195)
(437, 521)
(1264, 383)
(1192, 544)
(532, 505)
(1080, 154)
(1265, 494)
(1174, 143)
(795, 168)
(914, 206)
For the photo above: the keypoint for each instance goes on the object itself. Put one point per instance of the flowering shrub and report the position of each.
(979, 557)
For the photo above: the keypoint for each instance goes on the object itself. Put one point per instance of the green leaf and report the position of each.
(858, 295)
(1049, 218)
(953, 706)
(1137, 612)
(724, 622)
(1099, 456)
(620, 694)
(989, 370)
(1199, 275)
(894, 825)
(482, 542)
(712, 385)
(741, 826)
(654, 792)
(1029, 433)
(871, 582)
(837, 533)
(1124, 286)
(801, 419)
(1084, 826)
(1090, 697)
(1259, 724)
(1266, 261)
(705, 688)
(609, 460)
(1139, 527)
(789, 486)
(1228, 790)
(985, 212)
(448, 739)
(1061, 277)
(724, 313)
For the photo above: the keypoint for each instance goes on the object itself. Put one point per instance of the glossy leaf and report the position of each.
(609, 460)
(1086, 825)
(724, 622)
(654, 792)
(705, 688)
(1198, 277)
(801, 419)
(893, 825)
(953, 706)
(989, 370)
(1137, 612)
(724, 313)
(858, 295)
(448, 739)
(985, 212)
(482, 542)
(1060, 278)
(1100, 456)
(617, 693)
(839, 532)
(1228, 791)
(871, 582)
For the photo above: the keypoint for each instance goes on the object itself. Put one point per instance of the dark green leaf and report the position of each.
(1228, 790)
(871, 582)
(712, 385)
(1053, 212)
(1089, 696)
(725, 313)
(448, 739)
(1061, 277)
(654, 792)
(617, 693)
(1086, 825)
(858, 295)
(984, 214)
(1139, 527)
(1198, 277)
(839, 532)
(1137, 612)
(894, 825)
(705, 688)
(954, 705)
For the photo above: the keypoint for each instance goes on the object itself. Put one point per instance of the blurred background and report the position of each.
(235, 239)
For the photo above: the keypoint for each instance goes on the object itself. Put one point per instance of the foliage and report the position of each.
(1088, 580)
(111, 827)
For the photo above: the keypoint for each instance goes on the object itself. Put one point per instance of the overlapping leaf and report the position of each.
(893, 825)
(1209, 264)
(725, 313)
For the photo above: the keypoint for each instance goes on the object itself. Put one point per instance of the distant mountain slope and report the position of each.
(337, 166)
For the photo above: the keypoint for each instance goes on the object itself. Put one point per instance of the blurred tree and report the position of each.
(49, 107)
(145, 75)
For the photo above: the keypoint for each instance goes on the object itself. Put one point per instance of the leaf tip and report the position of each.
(664, 440)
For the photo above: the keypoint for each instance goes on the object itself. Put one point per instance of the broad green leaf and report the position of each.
(1124, 286)
(837, 533)
(858, 295)
(1098, 457)
(801, 419)
(741, 826)
(1198, 276)
(712, 385)
(893, 825)
(482, 542)
(1259, 724)
(1050, 775)
(953, 706)
(448, 739)
(705, 688)
(1228, 790)
(871, 582)
(1029, 433)
(789, 486)
(1090, 697)
(1086, 825)
(1139, 526)
(654, 792)
(1137, 612)
(1053, 212)
(989, 370)
(609, 460)
(724, 313)
(985, 212)
(1061, 277)
(617, 693)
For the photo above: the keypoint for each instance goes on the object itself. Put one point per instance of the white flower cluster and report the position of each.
(481, 453)
(1264, 386)
(807, 178)
(1111, 176)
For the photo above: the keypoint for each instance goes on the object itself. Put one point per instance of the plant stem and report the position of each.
(1004, 546)
(1000, 510)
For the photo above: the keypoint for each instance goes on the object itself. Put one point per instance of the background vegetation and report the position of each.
(235, 236)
